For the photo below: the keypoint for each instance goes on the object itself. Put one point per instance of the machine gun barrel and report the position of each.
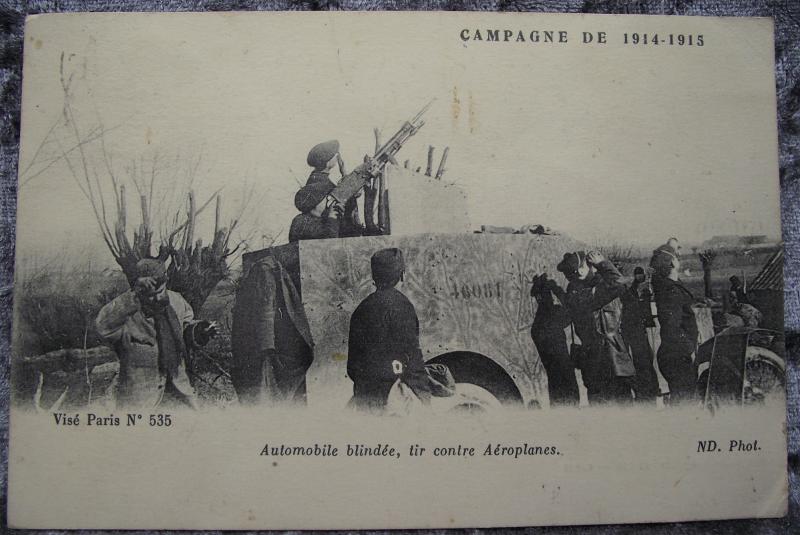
(425, 108)
(387, 152)
(352, 183)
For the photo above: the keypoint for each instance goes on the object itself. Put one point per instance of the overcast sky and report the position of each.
(630, 144)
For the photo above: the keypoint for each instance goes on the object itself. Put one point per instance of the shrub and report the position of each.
(57, 306)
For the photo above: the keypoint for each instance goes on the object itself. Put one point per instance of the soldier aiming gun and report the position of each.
(330, 210)
(320, 216)
(370, 177)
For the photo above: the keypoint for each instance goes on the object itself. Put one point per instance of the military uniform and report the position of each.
(308, 226)
(547, 332)
(271, 340)
(595, 306)
(636, 319)
(144, 381)
(385, 328)
(678, 338)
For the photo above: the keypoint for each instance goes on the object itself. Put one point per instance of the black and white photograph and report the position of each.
(301, 250)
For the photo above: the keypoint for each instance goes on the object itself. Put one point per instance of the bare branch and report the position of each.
(199, 211)
(39, 148)
(217, 214)
(152, 181)
(107, 238)
(190, 223)
(94, 135)
(429, 168)
(442, 169)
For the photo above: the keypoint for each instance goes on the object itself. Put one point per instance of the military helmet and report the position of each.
(321, 154)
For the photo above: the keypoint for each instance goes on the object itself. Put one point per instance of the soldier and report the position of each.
(547, 332)
(678, 327)
(672, 246)
(322, 158)
(321, 217)
(736, 294)
(151, 329)
(270, 339)
(636, 319)
(385, 328)
(593, 298)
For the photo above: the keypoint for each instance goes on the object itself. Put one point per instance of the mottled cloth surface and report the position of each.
(786, 14)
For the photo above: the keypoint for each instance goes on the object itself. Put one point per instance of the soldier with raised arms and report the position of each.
(151, 329)
(593, 299)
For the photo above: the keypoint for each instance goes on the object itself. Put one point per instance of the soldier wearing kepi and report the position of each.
(385, 328)
(151, 329)
(636, 319)
(678, 327)
(547, 332)
(321, 216)
(593, 298)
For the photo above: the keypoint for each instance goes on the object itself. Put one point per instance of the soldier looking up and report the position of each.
(321, 216)
(678, 327)
(593, 298)
(547, 332)
(151, 329)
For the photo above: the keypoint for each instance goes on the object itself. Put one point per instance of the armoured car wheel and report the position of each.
(473, 399)
(764, 376)
(485, 384)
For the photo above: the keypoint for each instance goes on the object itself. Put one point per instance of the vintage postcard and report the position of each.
(396, 270)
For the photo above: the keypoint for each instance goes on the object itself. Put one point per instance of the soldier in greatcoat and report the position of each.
(593, 298)
(151, 329)
(636, 319)
(383, 343)
(678, 327)
(270, 338)
(547, 332)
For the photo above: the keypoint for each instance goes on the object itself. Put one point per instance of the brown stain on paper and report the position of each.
(455, 110)
(456, 106)
(473, 118)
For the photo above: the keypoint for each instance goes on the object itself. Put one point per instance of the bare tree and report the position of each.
(707, 261)
(167, 228)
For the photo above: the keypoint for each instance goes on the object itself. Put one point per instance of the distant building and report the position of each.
(736, 241)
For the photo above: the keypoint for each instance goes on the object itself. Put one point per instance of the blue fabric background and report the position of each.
(786, 14)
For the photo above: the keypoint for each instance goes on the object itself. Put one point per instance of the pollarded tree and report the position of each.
(163, 230)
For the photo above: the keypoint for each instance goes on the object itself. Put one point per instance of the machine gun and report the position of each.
(373, 166)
